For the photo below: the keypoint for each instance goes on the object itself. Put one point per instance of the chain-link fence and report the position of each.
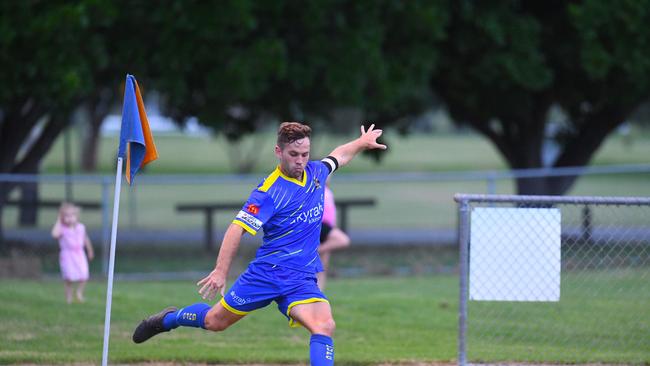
(554, 279)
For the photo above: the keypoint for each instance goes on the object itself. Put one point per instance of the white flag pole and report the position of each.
(111, 261)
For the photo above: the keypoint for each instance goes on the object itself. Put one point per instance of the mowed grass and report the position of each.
(378, 320)
(180, 154)
(442, 152)
(602, 317)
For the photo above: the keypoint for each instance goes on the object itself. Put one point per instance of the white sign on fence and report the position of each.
(515, 254)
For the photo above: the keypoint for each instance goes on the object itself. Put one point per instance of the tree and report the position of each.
(46, 65)
(259, 61)
(234, 65)
(121, 43)
(503, 65)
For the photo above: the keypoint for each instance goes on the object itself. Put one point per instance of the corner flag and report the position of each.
(137, 148)
(136, 142)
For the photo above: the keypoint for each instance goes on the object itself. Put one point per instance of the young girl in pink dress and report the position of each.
(73, 261)
(331, 237)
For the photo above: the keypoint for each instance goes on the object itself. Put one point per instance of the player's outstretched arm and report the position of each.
(215, 282)
(368, 140)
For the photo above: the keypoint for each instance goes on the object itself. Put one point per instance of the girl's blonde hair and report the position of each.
(69, 206)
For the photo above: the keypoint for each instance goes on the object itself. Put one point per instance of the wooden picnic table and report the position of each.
(209, 222)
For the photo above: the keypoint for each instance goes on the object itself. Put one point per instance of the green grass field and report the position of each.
(379, 320)
(602, 316)
(211, 155)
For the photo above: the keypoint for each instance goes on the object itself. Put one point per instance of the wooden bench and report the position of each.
(208, 209)
(342, 207)
(344, 204)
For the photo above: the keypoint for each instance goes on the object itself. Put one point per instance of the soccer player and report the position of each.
(288, 206)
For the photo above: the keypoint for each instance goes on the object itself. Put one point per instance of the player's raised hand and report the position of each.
(370, 137)
(211, 285)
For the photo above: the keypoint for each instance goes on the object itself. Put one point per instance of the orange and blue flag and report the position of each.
(136, 142)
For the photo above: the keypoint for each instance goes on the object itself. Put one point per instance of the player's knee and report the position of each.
(326, 327)
(342, 238)
(345, 240)
(214, 323)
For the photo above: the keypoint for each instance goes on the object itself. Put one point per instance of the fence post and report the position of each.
(105, 223)
(586, 224)
(463, 250)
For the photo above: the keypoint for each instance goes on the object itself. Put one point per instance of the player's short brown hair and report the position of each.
(292, 131)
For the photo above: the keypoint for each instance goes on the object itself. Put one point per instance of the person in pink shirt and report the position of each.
(331, 237)
(73, 260)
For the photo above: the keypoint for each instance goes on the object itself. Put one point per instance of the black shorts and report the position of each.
(324, 231)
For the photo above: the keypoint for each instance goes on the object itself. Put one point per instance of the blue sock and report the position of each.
(189, 316)
(321, 350)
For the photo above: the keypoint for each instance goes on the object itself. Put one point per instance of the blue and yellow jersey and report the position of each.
(290, 212)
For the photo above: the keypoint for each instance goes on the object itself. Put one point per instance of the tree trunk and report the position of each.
(90, 146)
(546, 186)
(577, 151)
(98, 108)
(558, 186)
(16, 123)
(30, 163)
(28, 216)
(3, 199)
(531, 186)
